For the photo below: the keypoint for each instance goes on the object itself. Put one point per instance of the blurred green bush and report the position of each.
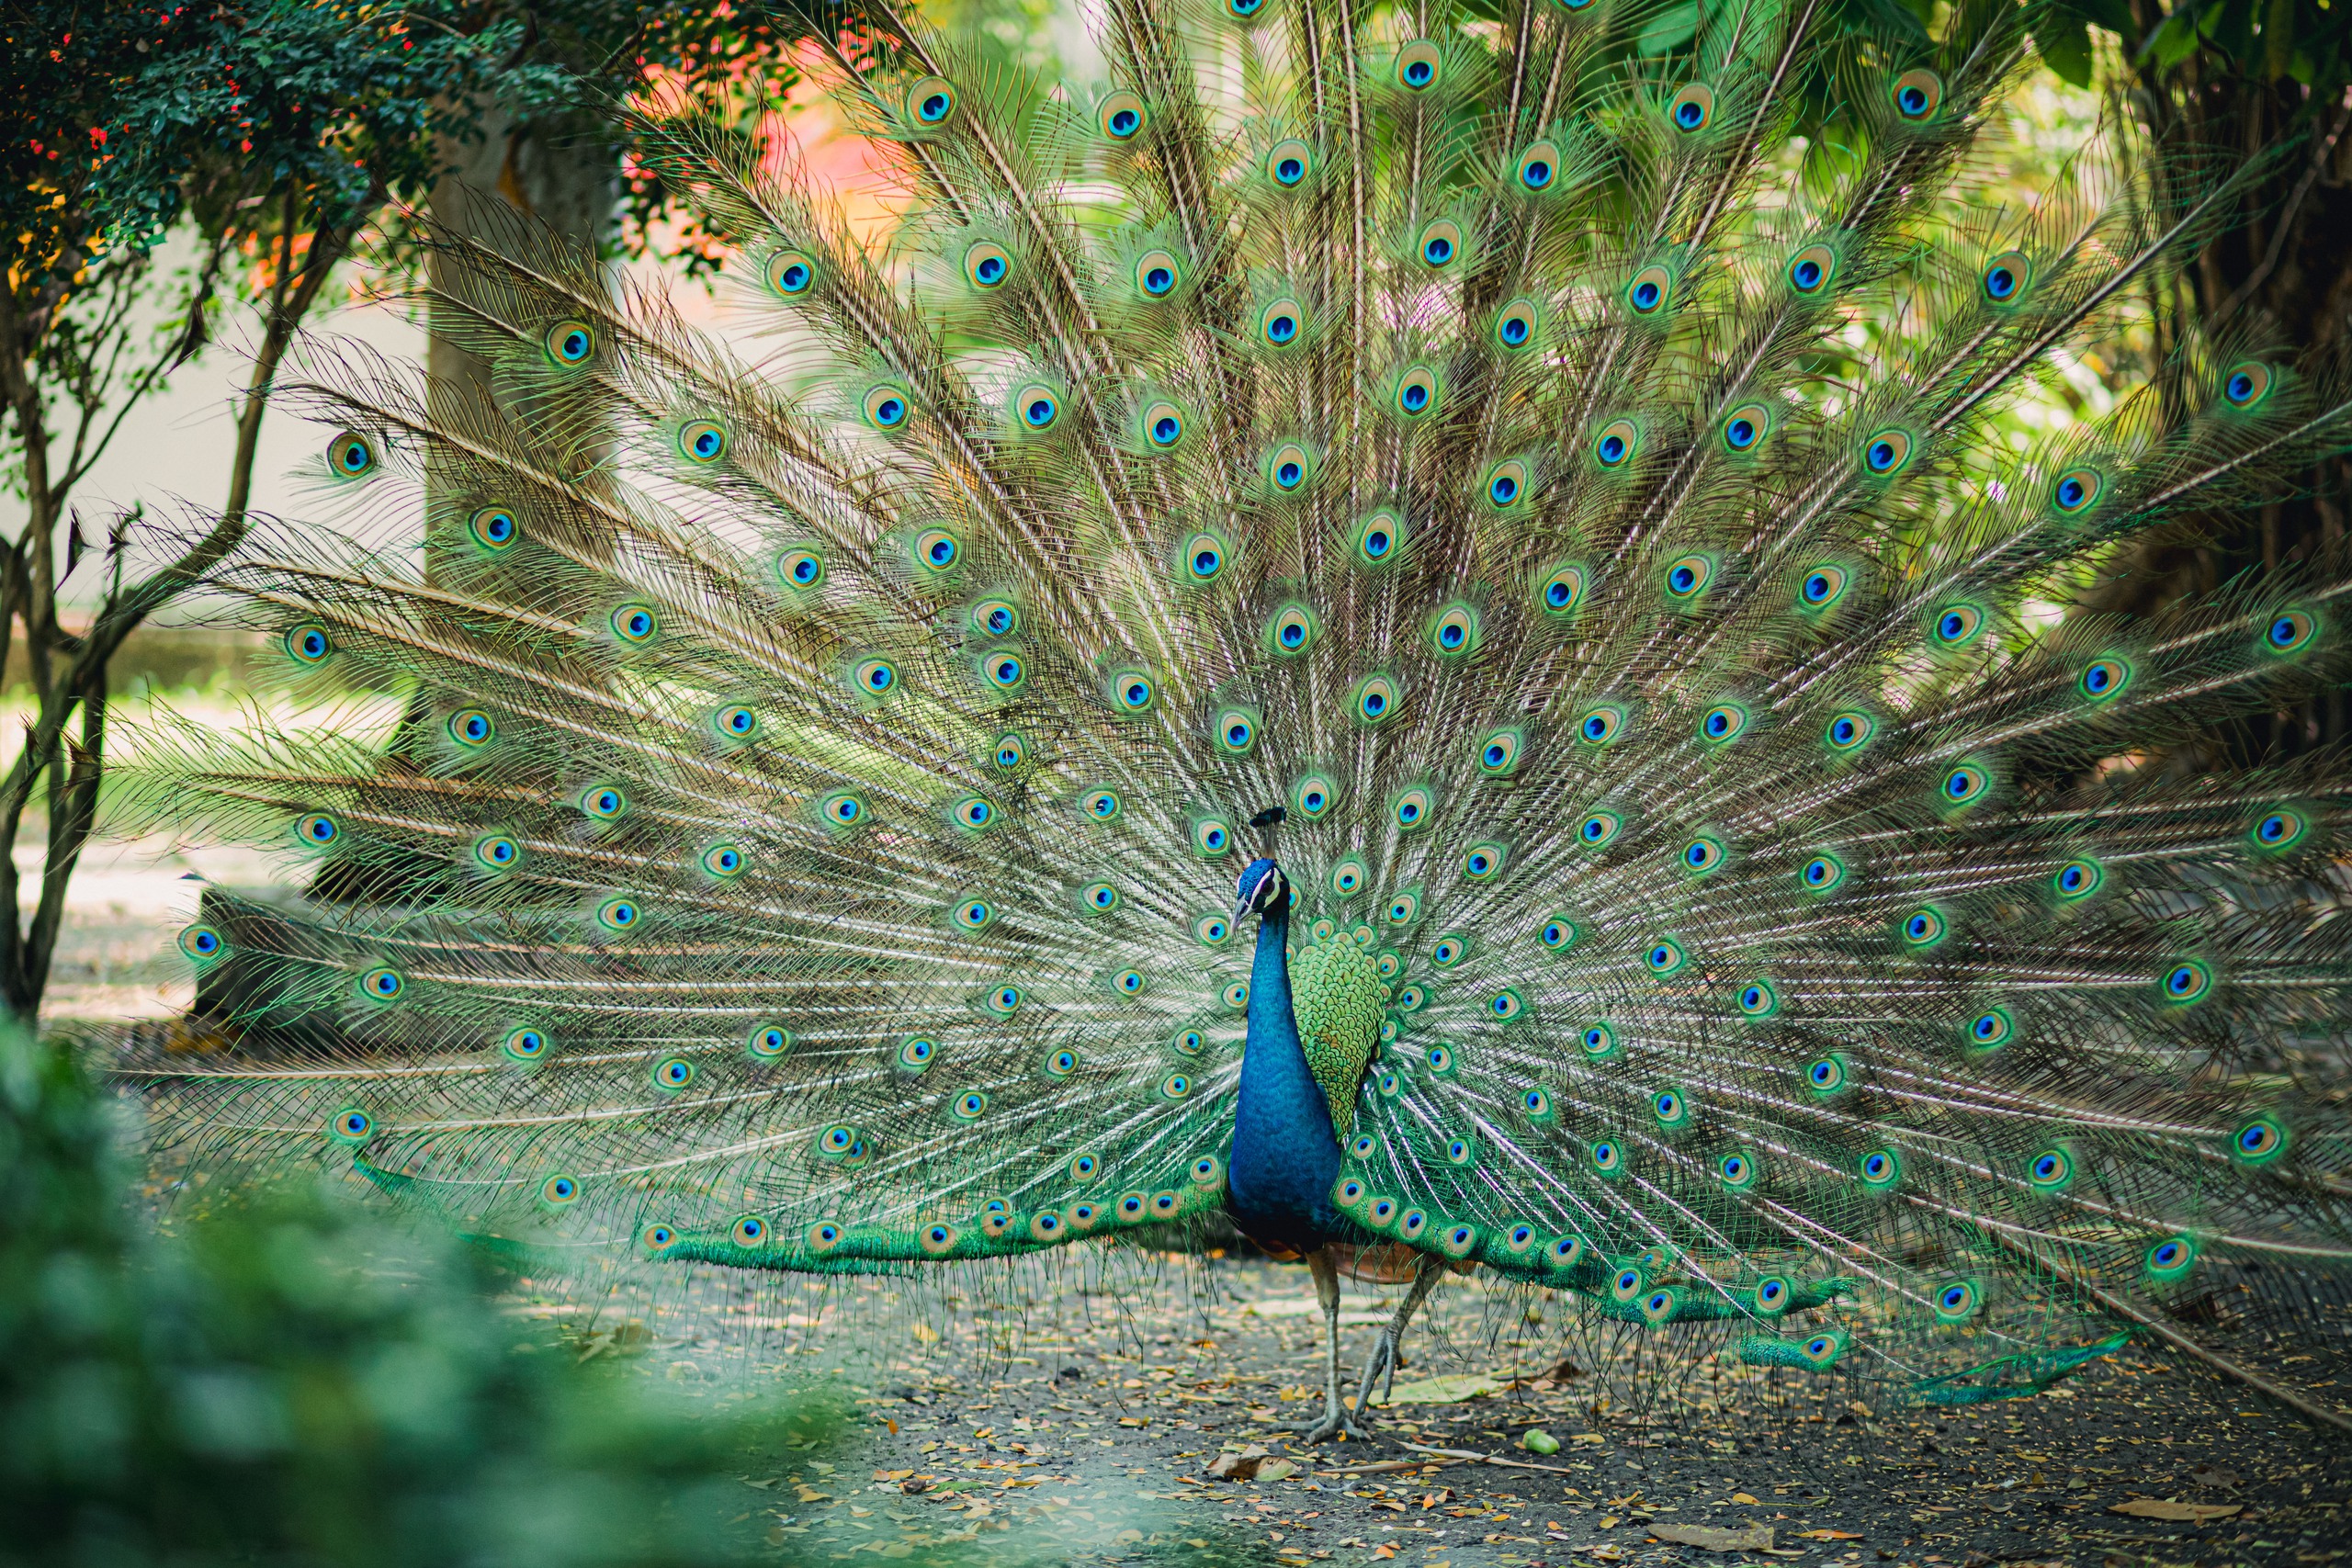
(294, 1380)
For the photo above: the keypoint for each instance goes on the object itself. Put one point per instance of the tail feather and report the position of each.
(808, 840)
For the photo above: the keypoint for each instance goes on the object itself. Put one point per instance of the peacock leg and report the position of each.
(1380, 1366)
(1336, 1422)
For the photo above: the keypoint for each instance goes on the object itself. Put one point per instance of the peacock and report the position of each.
(1418, 626)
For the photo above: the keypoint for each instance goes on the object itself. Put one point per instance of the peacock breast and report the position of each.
(1338, 998)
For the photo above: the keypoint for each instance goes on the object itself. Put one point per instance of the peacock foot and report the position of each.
(1380, 1366)
(1337, 1423)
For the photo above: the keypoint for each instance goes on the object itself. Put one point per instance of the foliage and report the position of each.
(295, 1379)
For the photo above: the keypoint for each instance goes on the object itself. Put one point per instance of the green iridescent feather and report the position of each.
(1741, 881)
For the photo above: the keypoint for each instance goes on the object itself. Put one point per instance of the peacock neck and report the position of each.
(1285, 1155)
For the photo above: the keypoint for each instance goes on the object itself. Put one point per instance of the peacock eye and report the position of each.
(1515, 326)
(1279, 324)
(1917, 96)
(1702, 854)
(1745, 427)
(2005, 277)
(1821, 873)
(986, 264)
(1418, 65)
(1693, 108)
(1562, 591)
(1498, 752)
(702, 442)
(1650, 289)
(1537, 166)
(936, 549)
(1821, 587)
(1506, 483)
(1288, 162)
(790, 273)
(1438, 244)
(493, 528)
(2244, 385)
(885, 407)
(930, 100)
(1163, 425)
(1810, 269)
(571, 343)
(1689, 577)
(1924, 926)
(2077, 489)
(800, 567)
(1416, 391)
(1601, 724)
(2291, 631)
(472, 728)
(1121, 116)
(1618, 442)
(351, 455)
(1723, 723)
(308, 644)
(1887, 452)
(1850, 731)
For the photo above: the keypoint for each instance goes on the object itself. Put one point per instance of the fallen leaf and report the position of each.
(1277, 1469)
(1536, 1440)
(1743, 1497)
(810, 1494)
(1707, 1538)
(2165, 1508)
(1242, 1466)
(1827, 1535)
(1135, 1420)
(1450, 1390)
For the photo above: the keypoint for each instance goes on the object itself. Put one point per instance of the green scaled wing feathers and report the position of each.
(1731, 885)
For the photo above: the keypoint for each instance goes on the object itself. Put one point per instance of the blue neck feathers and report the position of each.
(1285, 1155)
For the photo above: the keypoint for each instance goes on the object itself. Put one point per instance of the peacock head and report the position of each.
(1263, 888)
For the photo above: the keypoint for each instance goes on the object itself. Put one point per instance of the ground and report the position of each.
(1084, 1433)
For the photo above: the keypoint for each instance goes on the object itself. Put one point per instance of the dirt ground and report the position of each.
(1084, 1433)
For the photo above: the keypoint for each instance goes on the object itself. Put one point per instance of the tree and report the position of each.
(280, 132)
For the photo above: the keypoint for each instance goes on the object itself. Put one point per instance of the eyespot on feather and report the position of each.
(1121, 116)
(1419, 65)
(1917, 96)
(790, 274)
(986, 264)
(1693, 110)
(929, 101)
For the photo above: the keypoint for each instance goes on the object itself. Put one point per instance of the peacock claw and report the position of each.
(1337, 1423)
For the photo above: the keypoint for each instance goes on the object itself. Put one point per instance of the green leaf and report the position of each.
(2066, 45)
